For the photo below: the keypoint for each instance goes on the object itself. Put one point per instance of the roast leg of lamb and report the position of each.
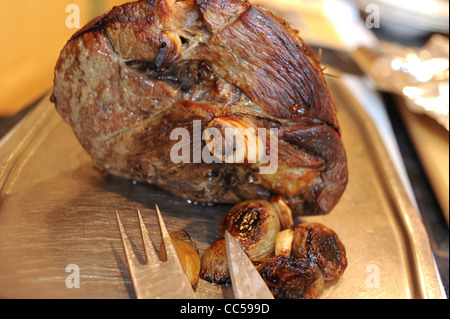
(131, 78)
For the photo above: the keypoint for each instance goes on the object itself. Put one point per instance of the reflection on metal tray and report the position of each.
(58, 210)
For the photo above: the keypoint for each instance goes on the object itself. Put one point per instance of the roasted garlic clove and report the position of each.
(254, 224)
(284, 212)
(283, 242)
(214, 264)
(291, 278)
(322, 246)
(187, 253)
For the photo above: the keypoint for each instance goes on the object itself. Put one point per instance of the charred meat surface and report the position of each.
(129, 78)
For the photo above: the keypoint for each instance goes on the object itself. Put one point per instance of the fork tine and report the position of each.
(169, 248)
(183, 289)
(132, 259)
(161, 279)
(150, 251)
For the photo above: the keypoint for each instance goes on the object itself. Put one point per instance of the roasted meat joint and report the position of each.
(221, 102)
(151, 79)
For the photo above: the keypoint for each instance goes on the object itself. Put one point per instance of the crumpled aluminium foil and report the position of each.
(420, 75)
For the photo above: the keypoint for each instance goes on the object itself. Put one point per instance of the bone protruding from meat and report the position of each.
(235, 141)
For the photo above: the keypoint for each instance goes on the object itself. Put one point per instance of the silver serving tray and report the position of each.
(57, 218)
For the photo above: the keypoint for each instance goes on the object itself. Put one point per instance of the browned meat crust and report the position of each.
(129, 78)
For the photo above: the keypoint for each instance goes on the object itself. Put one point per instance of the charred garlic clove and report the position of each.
(187, 253)
(214, 264)
(255, 225)
(322, 246)
(292, 278)
(283, 242)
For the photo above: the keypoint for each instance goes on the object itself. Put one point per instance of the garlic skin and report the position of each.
(254, 224)
(284, 212)
(187, 253)
(283, 242)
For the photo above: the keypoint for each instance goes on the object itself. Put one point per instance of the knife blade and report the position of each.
(246, 281)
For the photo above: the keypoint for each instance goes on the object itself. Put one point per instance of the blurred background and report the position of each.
(392, 55)
(33, 34)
